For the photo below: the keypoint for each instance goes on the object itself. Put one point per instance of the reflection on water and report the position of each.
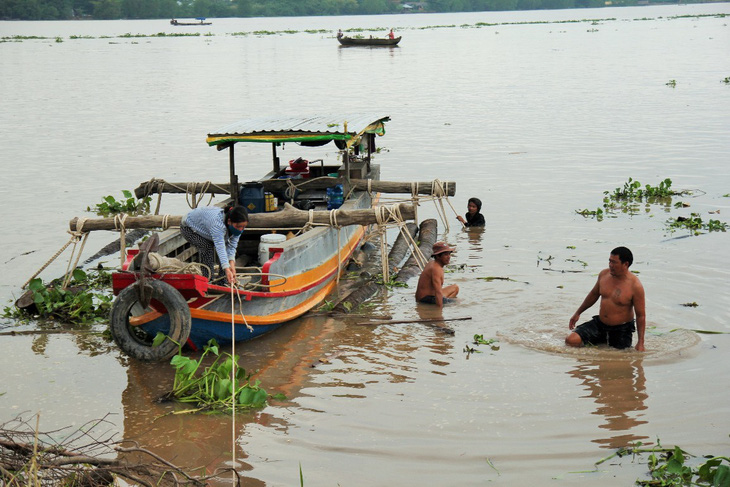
(618, 388)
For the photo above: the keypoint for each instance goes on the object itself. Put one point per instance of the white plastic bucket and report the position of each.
(269, 240)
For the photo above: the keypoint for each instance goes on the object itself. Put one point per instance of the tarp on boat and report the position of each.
(318, 128)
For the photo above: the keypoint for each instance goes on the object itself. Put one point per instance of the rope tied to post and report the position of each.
(119, 225)
(77, 235)
(193, 195)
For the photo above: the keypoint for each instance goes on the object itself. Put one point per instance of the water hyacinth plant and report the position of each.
(214, 388)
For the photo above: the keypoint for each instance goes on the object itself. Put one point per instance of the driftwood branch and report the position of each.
(423, 320)
(30, 457)
(49, 332)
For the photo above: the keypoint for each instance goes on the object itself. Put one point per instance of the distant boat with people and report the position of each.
(200, 21)
(368, 41)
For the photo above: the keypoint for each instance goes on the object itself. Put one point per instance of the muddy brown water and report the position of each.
(534, 115)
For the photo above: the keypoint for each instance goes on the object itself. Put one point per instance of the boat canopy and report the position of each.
(313, 130)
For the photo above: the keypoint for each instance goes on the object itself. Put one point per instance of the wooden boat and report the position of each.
(292, 275)
(369, 41)
(200, 21)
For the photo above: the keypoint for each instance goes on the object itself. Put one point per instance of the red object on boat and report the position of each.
(299, 164)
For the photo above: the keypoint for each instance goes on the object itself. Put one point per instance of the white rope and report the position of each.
(235, 386)
(414, 200)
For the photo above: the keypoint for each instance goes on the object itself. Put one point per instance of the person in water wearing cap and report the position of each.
(215, 230)
(431, 289)
(473, 217)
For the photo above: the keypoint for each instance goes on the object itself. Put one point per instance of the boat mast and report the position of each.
(277, 166)
(234, 178)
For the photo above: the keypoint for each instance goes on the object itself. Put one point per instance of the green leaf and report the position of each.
(245, 396)
(178, 361)
(223, 389)
(722, 477)
(159, 338)
(36, 285)
(79, 275)
(127, 193)
(259, 398)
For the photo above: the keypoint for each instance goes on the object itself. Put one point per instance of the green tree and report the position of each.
(107, 9)
(371, 7)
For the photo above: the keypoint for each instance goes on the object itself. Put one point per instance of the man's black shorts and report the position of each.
(430, 299)
(595, 332)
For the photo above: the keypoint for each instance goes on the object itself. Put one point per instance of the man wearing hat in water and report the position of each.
(431, 289)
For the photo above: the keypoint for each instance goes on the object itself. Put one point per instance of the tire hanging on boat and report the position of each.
(135, 341)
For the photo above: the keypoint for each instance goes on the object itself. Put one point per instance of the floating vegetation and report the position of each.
(693, 304)
(476, 25)
(129, 205)
(695, 225)
(627, 198)
(581, 262)
(597, 213)
(726, 80)
(495, 278)
(391, 283)
(211, 388)
(669, 467)
(492, 343)
(86, 299)
(672, 83)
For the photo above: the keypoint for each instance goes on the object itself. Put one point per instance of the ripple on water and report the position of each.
(662, 345)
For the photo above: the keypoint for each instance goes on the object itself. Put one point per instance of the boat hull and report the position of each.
(373, 41)
(300, 273)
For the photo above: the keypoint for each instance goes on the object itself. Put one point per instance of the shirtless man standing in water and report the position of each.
(430, 290)
(622, 296)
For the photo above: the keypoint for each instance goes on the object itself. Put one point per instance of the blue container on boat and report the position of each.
(335, 197)
(252, 197)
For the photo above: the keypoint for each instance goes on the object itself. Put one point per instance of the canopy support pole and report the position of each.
(234, 178)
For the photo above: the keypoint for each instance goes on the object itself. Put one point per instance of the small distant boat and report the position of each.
(200, 21)
(369, 41)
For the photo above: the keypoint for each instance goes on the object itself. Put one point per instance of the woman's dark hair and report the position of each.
(477, 202)
(237, 214)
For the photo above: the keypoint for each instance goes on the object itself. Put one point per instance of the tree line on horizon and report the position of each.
(161, 9)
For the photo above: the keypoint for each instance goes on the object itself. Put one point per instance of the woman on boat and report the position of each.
(391, 35)
(214, 231)
(473, 217)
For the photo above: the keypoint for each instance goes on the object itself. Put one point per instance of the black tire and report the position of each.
(133, 340)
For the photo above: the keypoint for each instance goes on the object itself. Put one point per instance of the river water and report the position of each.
(536, 113)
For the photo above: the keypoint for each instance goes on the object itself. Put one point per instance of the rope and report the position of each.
(75, 237)
(191, 194)
(414, 200)
(233, 392)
